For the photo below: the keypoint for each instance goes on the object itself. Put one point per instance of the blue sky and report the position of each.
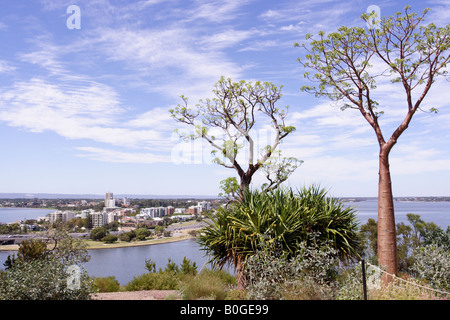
(86, 110)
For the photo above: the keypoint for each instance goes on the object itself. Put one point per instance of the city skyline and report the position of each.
(86, 88)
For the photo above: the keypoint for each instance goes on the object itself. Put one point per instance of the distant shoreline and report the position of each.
(91, 245)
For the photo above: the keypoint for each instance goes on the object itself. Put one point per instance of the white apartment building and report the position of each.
(97, 219)
(152, 213)
(112, 216)
(110, 202)
(63, 216)
(203, 206)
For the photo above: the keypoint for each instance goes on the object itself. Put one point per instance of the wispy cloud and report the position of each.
(89, 112)
(110, 155)
(6, 66)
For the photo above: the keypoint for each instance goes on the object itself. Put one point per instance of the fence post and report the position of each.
(363, 270)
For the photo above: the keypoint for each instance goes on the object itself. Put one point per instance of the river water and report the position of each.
(126, 263)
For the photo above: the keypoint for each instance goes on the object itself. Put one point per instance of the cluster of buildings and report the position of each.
(111, 213)
(159, 212)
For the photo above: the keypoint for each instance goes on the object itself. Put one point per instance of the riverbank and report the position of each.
(96, 245)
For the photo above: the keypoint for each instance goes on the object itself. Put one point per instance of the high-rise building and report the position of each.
(97, 219)
(204, 206)
(110, 202)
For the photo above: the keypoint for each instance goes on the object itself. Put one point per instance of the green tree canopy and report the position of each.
(228, 123)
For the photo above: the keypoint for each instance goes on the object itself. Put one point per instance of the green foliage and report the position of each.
(438, 237)
(309, 274)
(106, 284)
(110, 238)
(142, 233)
(127, 236)
(229, 188)
(188, 267)
(432, 263)
(369, 236)
(98, 233)
(283, 216)
(39, 273)
(32, 249)
(416, 234)
(236, 109)
(153, 281)
(207, 284)
(167, 279)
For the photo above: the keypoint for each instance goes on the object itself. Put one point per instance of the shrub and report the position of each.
(98, 233)
(127, 236)
(142, 233)
(208, 284)
(153, 281)
(167, 279)
(432, 262)
(42, 274)
(400, 290)
(106, 284)
(236, 232)
(350, 284)
(273, 274)
(110, 238)
(43, 279)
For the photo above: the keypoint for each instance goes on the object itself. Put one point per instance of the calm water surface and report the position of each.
(8, 215)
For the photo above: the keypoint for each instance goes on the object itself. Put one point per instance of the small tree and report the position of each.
(48, 269)
(235, 111)
(98, 233)
(413, 55)
(234, 234)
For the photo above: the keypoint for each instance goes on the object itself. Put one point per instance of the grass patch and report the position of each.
(208, 284)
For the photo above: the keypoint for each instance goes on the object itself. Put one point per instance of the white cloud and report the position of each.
(88, 112)
(6, 66)
(108, 155)
(216, 11)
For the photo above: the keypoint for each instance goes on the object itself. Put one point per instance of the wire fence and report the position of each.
(372, 279)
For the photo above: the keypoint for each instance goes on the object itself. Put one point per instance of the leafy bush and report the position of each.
(142, 233)
(42, 274)
(401, 290)
(43, 279)
(234, 234)
(432, 262)
(98, 233)
(273, 274)
(167, 279)
(106, 284)
(207, 284)
(127, 236)
(110, 238)
(153, 281)
(350, 285)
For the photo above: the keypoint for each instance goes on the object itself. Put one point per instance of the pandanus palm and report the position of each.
(283, 216)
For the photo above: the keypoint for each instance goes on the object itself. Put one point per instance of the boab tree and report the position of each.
(413, 56)
(226, 122)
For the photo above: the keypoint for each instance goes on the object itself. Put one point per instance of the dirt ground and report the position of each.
(139, 295)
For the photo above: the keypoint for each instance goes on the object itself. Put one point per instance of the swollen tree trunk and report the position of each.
(240, 273)
(387, 240)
